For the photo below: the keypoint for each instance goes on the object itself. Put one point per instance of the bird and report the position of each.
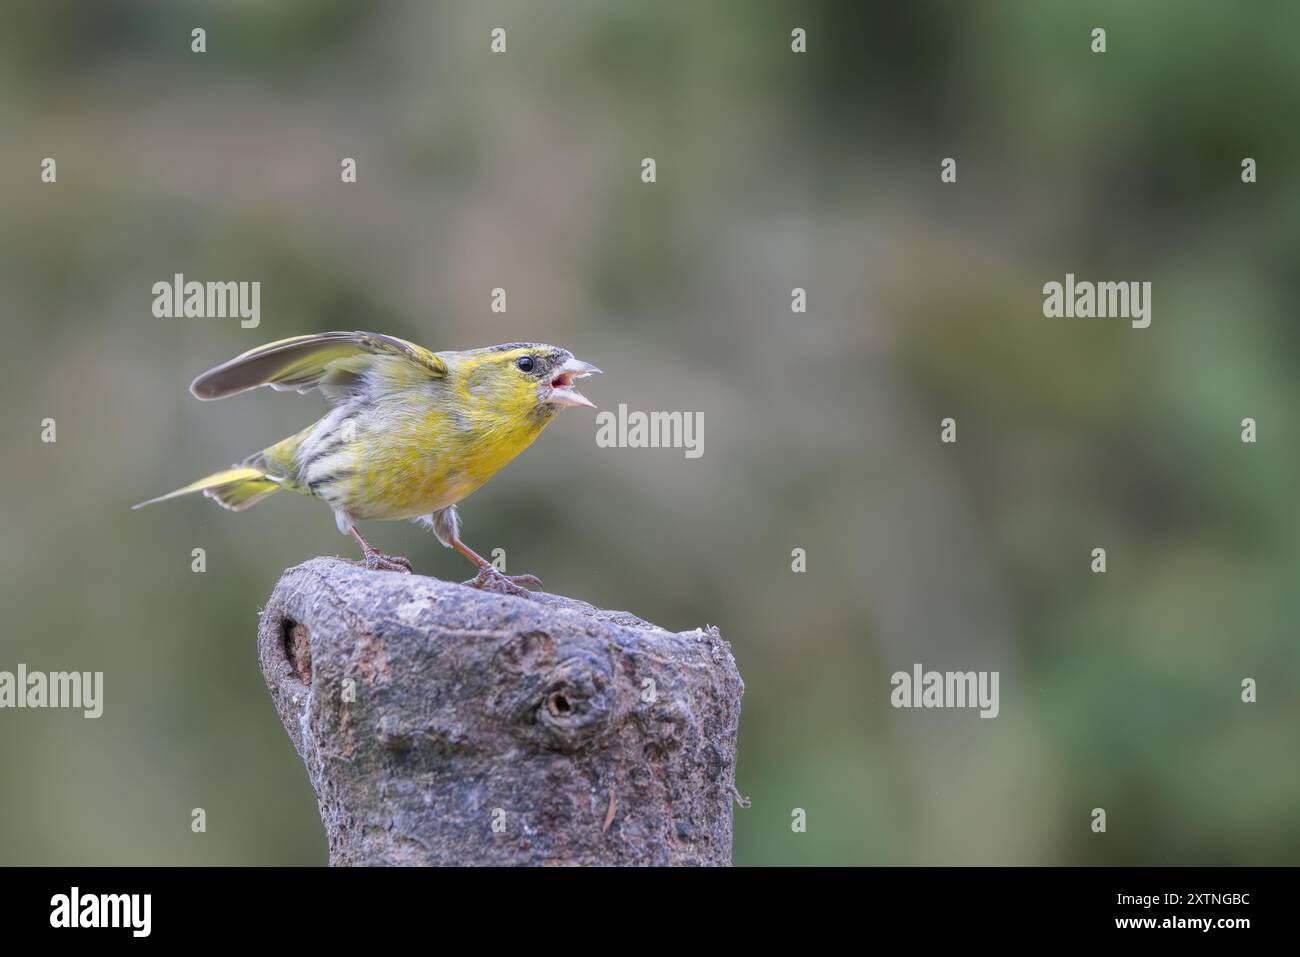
(410, 434)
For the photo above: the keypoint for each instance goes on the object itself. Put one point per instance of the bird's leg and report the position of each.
(489, 579)
(377, 562)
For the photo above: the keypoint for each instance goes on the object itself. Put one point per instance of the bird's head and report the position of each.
(524, 378)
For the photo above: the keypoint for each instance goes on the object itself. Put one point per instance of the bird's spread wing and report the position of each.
(334, 362)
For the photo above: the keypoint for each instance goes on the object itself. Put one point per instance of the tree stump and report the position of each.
(445, 725)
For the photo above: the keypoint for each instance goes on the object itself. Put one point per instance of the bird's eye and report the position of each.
(525, 363)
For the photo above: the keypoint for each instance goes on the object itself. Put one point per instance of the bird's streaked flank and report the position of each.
(412, 432)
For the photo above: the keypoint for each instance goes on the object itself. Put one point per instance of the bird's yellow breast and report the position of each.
(411, 456)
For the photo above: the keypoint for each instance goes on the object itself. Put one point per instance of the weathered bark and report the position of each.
(444, 725)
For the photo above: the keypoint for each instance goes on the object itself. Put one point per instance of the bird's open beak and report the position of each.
(562, 390)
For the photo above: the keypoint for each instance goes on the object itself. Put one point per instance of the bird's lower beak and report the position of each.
(562, 390)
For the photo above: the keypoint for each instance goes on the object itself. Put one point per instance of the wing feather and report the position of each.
(303, 363)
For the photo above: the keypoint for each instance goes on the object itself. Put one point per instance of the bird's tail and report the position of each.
(235, 488)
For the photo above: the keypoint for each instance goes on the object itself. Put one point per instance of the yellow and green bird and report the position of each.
(412, 432)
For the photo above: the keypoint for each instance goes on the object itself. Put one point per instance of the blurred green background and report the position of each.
(821, 431)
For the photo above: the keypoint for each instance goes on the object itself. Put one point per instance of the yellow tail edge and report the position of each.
(248, 486)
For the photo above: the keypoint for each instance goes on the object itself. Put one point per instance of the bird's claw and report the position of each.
(489, 579)
(386, 563)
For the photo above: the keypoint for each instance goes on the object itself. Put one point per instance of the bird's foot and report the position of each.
(489, 579)
(386, 563)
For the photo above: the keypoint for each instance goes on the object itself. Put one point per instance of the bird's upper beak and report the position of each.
(562, 390)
